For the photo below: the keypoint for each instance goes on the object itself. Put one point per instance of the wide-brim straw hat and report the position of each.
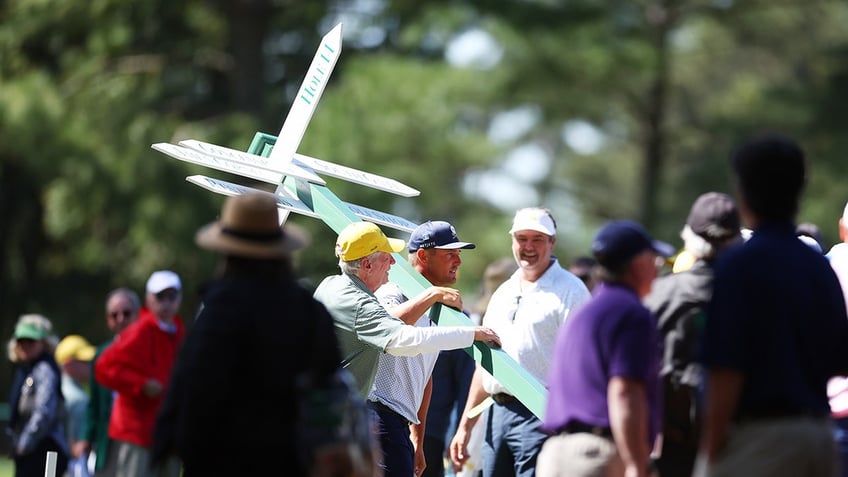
(249, 227)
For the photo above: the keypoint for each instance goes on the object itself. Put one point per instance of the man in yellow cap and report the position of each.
(73, 355)
(364, 328)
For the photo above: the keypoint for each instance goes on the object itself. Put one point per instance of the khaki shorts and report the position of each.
(579, 455)
(786, 447)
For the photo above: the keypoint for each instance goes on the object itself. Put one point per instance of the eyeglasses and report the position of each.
(115, 314)
(170, 295)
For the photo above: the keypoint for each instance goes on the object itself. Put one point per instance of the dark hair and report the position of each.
(266, 268)
(771, 173)
(131, 295)
(583, 266)
(583, 261)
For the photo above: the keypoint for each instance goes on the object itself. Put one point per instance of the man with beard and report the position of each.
(526, 311)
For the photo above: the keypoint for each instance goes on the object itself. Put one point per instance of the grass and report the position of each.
(7, 467)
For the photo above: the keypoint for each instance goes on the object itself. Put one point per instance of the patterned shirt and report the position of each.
(412, 372)
(37, 385)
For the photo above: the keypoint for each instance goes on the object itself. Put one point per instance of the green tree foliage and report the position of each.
(413, 134)
(666, 88)
(85, 204)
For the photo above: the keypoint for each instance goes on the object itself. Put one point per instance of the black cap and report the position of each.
(714, 217)
(620, 240)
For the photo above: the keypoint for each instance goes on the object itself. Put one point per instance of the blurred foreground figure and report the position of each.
(775, 332)
(678, 301)
(235, 406)
(604, 403)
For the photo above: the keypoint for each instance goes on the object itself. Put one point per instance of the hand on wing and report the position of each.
(486, 335)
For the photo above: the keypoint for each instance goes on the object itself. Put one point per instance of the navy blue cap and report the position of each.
(436, 234)
(620, 240)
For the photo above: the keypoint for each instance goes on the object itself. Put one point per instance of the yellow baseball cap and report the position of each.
(74, 347)
(683, 262)
(361, 239)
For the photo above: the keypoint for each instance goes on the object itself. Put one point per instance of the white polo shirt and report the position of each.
(528, 320)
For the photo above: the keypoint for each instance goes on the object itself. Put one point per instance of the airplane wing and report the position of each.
(288, 202)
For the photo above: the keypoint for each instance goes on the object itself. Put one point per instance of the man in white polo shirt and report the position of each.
(526, 311)
(401, 392)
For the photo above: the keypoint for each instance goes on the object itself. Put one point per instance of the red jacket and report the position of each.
(141, 352)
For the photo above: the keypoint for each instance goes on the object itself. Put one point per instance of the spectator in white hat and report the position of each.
(526, 311)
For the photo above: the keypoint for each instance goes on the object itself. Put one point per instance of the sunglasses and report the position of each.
(115, 314)
(25, 341)
(170, 295)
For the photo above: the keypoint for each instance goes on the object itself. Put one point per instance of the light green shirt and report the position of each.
(363, 327)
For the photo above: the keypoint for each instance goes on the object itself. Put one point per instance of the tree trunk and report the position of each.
(248, 22)
(654, 132)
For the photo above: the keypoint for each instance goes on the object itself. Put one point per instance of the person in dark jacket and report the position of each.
(678, 301)
(233, 407)
(37, 407)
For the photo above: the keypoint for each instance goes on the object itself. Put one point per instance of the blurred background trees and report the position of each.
(595, 109)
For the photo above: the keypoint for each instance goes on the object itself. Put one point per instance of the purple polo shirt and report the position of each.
(611, 335)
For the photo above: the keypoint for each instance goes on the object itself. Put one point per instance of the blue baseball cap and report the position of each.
(436, 234)
(620, 240)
